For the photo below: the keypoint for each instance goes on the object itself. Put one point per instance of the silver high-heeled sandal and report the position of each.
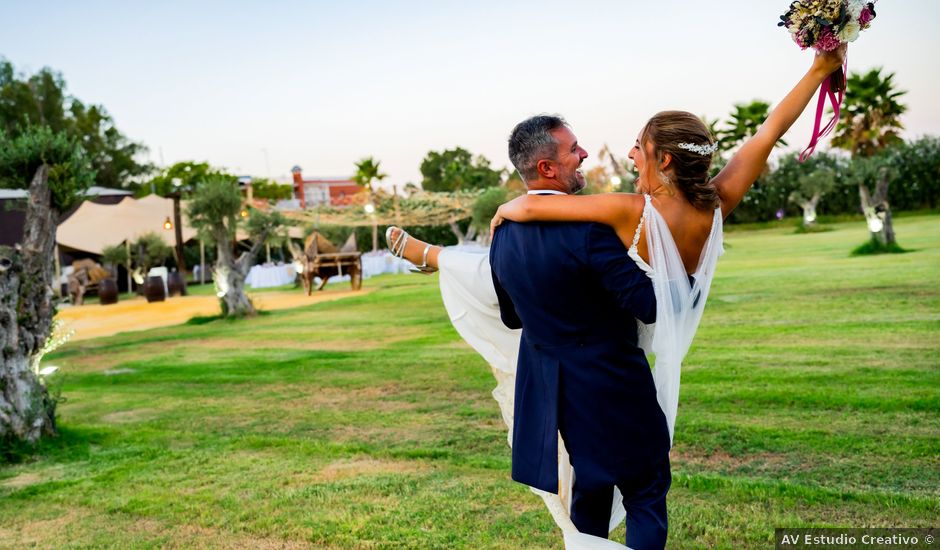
(398, 249)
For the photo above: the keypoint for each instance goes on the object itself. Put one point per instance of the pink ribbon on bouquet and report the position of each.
(826, 91)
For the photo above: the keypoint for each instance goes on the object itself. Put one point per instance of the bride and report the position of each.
(672, 229)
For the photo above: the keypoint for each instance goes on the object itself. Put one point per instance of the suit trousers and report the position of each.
(644, 497)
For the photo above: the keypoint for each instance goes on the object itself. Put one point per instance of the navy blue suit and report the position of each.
(576, 293)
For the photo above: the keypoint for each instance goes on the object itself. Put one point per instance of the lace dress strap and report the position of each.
(639, 226)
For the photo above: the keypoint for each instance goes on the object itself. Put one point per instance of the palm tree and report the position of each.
(870, 119)
(744, 121)
(711, 124)
(367, 171)
(870, 122)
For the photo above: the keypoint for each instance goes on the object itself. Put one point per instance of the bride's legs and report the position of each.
(414, 248)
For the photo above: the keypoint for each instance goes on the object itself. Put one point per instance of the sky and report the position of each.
(258, 87)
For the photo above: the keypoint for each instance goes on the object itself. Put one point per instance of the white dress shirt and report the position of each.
(545, 192)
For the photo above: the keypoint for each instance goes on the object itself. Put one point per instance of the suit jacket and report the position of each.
(576, 293)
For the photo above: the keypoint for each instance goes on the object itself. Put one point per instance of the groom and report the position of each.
(576, 293)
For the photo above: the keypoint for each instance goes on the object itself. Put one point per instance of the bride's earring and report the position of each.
(668, 183)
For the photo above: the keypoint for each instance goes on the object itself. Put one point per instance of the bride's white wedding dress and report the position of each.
(470, 299)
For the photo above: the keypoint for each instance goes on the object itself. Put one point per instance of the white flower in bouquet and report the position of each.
(850, 31)
(855, 8)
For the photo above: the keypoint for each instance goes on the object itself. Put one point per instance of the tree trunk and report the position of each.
(471, 233)
(455, 229)
(26, 310)
(230, 277)
(809, 210)
(877, 210)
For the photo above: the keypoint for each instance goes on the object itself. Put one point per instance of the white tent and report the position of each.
(95, 226)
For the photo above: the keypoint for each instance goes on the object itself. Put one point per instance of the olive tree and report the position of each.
(54, 169)
(216, 210)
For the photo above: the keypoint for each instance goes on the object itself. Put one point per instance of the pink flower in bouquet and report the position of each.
(800, 39)
(865, 17)
(827, 41)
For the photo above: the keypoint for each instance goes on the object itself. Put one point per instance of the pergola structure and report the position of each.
(419, 209)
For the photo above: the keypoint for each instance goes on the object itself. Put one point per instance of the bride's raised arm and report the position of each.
(746, 165)
(621, 211)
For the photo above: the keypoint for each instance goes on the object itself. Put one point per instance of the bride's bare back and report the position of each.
(689, 226)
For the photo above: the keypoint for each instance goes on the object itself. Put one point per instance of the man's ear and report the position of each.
(545, 168)
(667, 158)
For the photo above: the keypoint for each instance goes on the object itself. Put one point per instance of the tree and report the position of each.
(876, 207)
(215, 210)
(262, 188)
(176, 182)
(916, 173)
(870, 124)
(805, 183)
(116, 255)
(42, 100)
(149, 250)
(457, 170)
(486, 204)
(367, 171)
(743, 122)
(181, 177)
(870, 119)
(55, 170)
(711, 124)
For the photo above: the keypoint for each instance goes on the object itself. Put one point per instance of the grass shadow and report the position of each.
(69, 444)
(206, 319)
(876, 247)
(815, 228)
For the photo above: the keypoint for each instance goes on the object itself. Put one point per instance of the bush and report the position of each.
(874, 246)
(913, 171)
(150, 250)
(486, 205)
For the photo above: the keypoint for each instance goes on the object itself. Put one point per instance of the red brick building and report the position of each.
(332, 191)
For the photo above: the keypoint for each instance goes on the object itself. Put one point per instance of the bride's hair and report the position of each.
(689, 168)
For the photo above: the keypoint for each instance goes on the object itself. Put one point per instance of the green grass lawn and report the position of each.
(811, 397)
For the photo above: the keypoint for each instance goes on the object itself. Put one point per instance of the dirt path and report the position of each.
(94, 321)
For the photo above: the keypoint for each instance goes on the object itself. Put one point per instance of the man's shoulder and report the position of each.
(511, 227)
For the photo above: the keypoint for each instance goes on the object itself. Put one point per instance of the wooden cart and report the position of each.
(321, 258)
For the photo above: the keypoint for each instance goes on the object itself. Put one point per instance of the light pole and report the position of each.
(370, 210)
(177, 221)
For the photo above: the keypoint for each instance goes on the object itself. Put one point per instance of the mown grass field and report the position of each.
(811, 397)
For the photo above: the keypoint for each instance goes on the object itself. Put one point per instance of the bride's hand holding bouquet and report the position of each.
(827, 26)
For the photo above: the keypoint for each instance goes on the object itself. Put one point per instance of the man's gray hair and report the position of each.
(531, 140)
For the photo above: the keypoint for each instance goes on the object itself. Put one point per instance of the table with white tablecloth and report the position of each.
(266, 276)
(382, 261)
(377, 263)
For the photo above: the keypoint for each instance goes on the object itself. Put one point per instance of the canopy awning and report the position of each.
(95, 226)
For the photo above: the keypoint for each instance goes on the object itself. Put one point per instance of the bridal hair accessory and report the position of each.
(704, 150)
(825, 25)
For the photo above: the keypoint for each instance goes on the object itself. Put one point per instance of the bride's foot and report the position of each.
(418, 252)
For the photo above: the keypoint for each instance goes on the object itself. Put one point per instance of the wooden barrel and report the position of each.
(153, 289)
(107, 291)
(176, 284)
